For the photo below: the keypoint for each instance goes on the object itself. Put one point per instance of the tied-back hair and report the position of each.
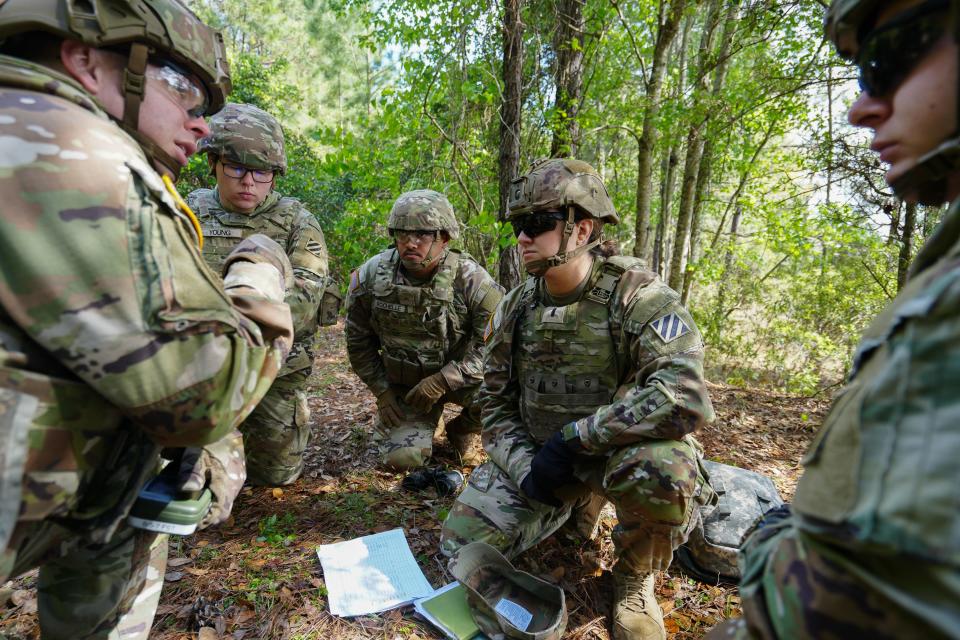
(605, 249)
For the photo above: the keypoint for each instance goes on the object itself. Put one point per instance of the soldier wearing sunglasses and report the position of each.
(245, 151)
(415, 320)
(870, 546)
(593, 386)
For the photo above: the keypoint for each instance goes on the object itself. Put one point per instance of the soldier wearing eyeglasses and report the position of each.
(593, 385)
(116, 341)
(245, 151)
(870, 547)
(415, 320)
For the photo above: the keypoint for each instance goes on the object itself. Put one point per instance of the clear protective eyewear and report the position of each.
(180, 88)
(238, 172)
(419, 236)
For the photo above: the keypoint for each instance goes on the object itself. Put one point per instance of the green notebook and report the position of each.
(447, 610)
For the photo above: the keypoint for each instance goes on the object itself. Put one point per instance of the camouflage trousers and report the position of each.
(799, 585)
(411, 444)
(654, 486)
(96, 592)
(276, 432)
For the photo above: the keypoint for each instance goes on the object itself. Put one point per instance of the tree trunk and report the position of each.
(669, 173)
(509, 159)
(568, 46)
(669, 25)
(720, 312)
(906, 244)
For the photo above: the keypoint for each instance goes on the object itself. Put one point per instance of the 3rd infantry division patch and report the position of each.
(670, 327)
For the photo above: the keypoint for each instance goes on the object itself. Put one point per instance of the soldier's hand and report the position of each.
(536, 491)
(219, 465)
(391, 415)
(423, 396)
(552, 466)
(259, 249)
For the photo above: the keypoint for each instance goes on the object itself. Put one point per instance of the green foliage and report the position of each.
(278, 531)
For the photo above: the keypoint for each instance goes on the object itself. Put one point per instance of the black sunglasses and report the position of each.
(888, 54)
(533, 224)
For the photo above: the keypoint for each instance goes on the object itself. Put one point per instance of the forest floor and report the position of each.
(258, 576)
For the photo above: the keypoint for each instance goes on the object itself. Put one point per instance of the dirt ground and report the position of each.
(257, 576)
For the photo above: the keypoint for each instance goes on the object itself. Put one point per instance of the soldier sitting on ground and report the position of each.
(870, 547)
(593, 382)
(415, 320)
(245, 151)
(115, 337)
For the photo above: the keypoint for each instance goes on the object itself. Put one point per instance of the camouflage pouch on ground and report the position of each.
(506, 602)
(330, 304)
(710, 554)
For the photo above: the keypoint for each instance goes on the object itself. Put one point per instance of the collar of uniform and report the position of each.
(576, 294)
(18, 73)
(945, 241)
(267, 203)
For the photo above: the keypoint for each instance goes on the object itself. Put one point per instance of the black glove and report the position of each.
(551, 468)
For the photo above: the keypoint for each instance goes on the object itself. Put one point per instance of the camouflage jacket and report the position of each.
(883, 468)
(400, 333)
(622, 362)
(289, 224)
(115, 336)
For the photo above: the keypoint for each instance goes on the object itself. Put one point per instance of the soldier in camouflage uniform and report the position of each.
(415, 320)
(246, 152)
(115, 338)
(593, 382)
(870, 547)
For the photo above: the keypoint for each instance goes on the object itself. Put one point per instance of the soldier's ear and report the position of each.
(97, 71)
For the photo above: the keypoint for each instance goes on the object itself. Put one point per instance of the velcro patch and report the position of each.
(221, 232)
(553, 314)
(316, 248)
(389, 306)
(670, 327)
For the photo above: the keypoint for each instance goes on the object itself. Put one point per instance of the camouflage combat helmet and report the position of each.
(247, 135)
(506, 602)
(847, 25)
(423, 209)
(567, 185)
(164, 29)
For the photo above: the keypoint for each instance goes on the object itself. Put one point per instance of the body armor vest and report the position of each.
(418, 327)
(567, 356)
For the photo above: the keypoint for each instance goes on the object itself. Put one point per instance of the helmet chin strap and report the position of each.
(134, 86)
(927, 181)
(562, 256)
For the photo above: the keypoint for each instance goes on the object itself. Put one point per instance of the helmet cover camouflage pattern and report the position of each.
(247, 135)
(558, 183)
(423, 209)
(168, 28)
(490, 580)
(843, 21)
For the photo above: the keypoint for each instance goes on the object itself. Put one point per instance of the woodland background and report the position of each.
(718, 125)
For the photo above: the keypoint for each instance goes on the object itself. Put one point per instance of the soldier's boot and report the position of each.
(586, 515)
(636, 613)
(465, 440)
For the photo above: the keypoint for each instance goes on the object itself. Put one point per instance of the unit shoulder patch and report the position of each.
(670, 327)
(316, 248)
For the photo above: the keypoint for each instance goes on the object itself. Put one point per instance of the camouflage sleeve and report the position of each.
(101, 269)
(307, 250)
(482, 294)
(667, 396)
(363, 343)
(505, 438)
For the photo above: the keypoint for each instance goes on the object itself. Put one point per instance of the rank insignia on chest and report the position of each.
(669, 327)
(553, 315)
(222, 232)
(389, 306)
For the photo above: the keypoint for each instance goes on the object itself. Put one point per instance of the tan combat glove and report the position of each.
(219, 465)
(423, 396)
(391, 415)
(256, 275)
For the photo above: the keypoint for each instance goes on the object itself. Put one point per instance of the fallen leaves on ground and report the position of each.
(257, 576)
